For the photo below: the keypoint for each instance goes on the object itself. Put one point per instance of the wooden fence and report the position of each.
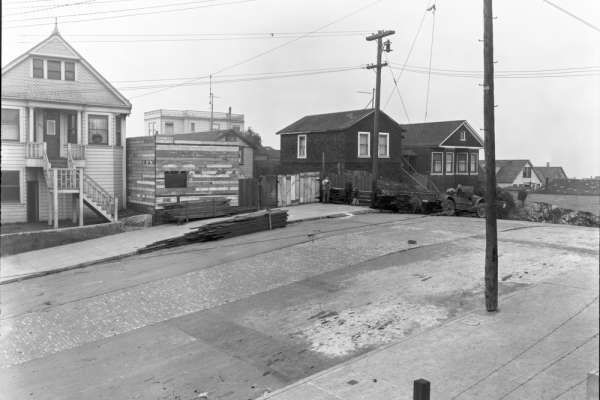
(258, 192)
(360, 179)
(301, 188)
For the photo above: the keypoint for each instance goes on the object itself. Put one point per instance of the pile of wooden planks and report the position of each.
(236, 226)
(201, 209)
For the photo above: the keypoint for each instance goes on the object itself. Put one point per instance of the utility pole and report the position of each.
(375, 137)
(210, 102)
(491, 232)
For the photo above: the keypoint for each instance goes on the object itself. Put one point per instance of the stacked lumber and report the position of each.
(338, 196)
(190, 210)
(236, 226)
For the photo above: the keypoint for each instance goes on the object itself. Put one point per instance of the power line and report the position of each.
(570, 14)
(247, 60)
(37, 10)
(432, 9)
(131, 15)
(410, 50)
(399, 94)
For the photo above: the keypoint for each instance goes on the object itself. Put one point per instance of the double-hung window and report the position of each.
(449, 163)
(69, 71)
(10, 124)
(384, 145)
(98, 129)
(436, 162)
(461, 163)
(526, 172)
(474, 163)
(54, 69)
(10, 186)
(364, 139)
(301, 146)
(38, 68)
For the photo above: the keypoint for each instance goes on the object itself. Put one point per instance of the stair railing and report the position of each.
(100, 196)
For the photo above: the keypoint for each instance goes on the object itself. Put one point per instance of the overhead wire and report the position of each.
(399, 94)
(570, 14)
(433, 10)
(272, 49)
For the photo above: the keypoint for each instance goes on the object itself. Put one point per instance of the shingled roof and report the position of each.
(508, 170)
(550, 173)
(337, 121)
(429, 133)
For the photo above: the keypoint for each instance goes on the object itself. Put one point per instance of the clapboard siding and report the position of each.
(13, 159)
(104, 165)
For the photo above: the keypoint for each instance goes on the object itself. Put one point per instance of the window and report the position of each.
(526, 172)
(463, 136)
(98, 129)
(384, 145)
(237, 128)
(72, 128)
(193, 127)
(50, 127)
(38, 68)
(364, 145)
(175, 179)
(151, 128)
(474, 164)
(10, 124)
(461, 163)
(436, 162)
(169, 128)
(301, 146)
(118, 135)
(69, 71)
(241, 155)
(54, 70)
(449, 163)
(10, 186)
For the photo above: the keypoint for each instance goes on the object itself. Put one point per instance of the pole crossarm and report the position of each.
(379, 35)
(373, 66)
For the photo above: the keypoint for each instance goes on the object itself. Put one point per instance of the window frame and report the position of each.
(169, 124)
(67, 72)
(527, 168)
(18, 125)
(452, 166)
(298, 155)
(241, 155)
(368, 135)
(457, 169)
(463, 136)
(387, 147)
(19, 187)
(118, 131)
(48, 71)
(192, 127)
(474, 171)
(33, 68)
(166, 173)
(433, 171)
(90, 117)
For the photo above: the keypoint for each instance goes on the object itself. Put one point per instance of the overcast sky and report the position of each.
(539, 117)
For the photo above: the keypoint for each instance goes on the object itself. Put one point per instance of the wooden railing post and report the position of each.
(55, 196)
(116, 207)
(81, 173)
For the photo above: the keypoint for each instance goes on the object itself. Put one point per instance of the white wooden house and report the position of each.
(63, 137)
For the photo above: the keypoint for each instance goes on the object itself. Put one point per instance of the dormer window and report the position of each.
(54, 69)
(38, 68)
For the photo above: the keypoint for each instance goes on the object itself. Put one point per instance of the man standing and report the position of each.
(326, 189)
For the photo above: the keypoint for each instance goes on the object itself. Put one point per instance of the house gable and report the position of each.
(88, 88)
(471, 138)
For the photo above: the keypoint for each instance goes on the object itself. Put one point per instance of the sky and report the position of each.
(547, 87)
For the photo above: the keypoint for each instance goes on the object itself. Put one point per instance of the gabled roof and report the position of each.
(508, 170)
(550, 173)
(337, 121)
(69, 52)
(434, 133)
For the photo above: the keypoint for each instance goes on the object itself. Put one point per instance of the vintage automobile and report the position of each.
(462, 199)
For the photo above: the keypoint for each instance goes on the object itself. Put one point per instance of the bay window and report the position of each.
(98, 129)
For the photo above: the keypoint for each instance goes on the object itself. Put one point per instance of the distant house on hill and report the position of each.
(548, 173)
(174, 122)
(517, 173)
(266, 160)
(446, 151)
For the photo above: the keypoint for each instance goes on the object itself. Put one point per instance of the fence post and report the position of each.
(55, 195)
(116, 207)
(421, 388)
(81, 193)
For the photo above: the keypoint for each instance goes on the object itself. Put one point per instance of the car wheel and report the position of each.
(449, 207)
(481, 212)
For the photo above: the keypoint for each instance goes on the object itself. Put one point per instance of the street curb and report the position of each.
(136, 252)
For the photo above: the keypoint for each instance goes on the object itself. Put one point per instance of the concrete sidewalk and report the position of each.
(76, 255)
(540, 345)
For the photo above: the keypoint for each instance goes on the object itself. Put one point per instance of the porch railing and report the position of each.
(65, 178)
(35, 150)
(76, 151)
(98, 195)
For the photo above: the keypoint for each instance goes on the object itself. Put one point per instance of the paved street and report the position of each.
(245, 316)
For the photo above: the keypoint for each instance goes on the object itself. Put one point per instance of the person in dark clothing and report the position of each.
(326, 189)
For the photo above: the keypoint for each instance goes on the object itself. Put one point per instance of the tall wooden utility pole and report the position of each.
(375, 136)
(491, 233)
